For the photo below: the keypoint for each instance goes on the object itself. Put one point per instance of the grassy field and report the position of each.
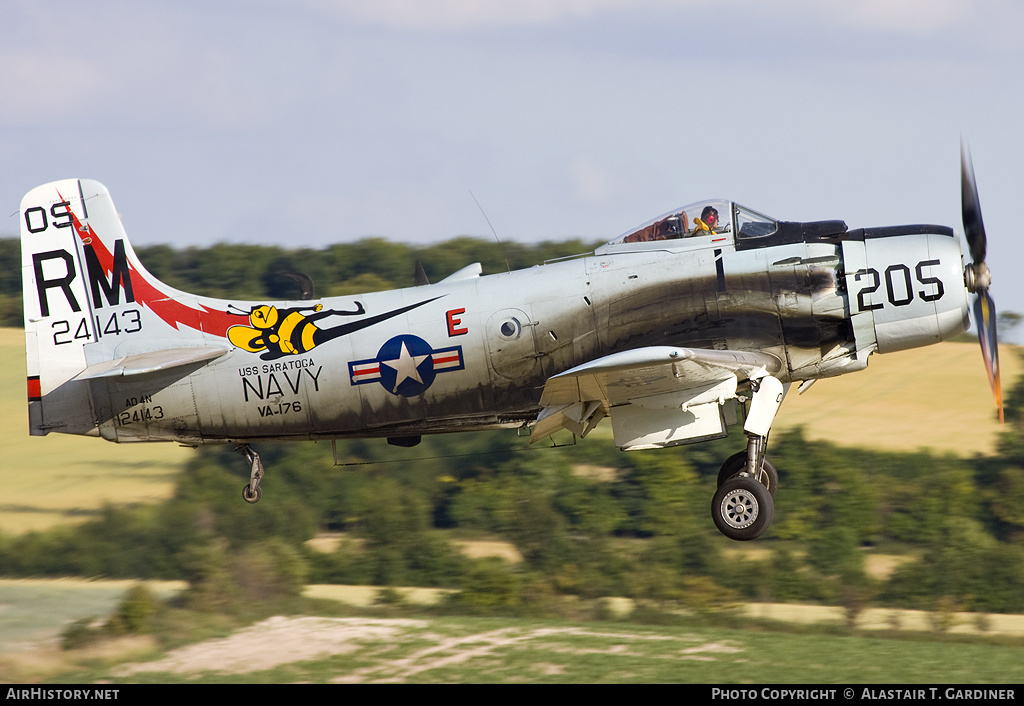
(34, 611)
(935, 398)
(450, 650)
(466, 650)
(57, 478)
(807, 645)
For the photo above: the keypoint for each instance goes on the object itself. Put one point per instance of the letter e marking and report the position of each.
(453, 323)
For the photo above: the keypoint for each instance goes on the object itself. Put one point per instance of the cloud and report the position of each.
(158, 65)
(589, 183)
(461, 14)
(913, 16)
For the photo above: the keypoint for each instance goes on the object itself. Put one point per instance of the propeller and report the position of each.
(977, 275)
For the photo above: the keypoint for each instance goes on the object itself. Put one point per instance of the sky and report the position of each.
(310, 122)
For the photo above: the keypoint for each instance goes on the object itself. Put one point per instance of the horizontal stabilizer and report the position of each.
(151, 362)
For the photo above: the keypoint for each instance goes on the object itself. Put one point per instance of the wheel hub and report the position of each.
(739, 508)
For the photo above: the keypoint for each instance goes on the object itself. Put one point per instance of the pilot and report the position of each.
(707, 222)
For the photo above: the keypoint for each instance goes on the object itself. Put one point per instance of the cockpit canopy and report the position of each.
(702, 219)
(711, 222)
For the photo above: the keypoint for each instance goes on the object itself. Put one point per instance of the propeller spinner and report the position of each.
(977, 275)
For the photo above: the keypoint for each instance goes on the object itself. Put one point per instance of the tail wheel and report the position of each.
(737, 463)
(742, 508)
(251, 497)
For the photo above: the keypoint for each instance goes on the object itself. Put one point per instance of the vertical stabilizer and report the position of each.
(59, 317)
(89, 302)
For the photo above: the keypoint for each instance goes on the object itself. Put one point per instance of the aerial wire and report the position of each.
(498, 240)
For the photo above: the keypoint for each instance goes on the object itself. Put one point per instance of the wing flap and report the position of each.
(622, 377)
(655, 378)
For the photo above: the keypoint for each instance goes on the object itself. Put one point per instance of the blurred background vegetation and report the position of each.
(586, 521)
(256, 271)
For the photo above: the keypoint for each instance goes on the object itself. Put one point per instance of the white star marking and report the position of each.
(406, 366)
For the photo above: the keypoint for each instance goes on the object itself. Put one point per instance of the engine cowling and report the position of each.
(906, 287)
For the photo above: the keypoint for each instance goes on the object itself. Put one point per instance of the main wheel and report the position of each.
(742, 508)
(737, 463)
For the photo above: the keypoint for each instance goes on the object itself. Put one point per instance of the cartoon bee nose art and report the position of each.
(281, 332)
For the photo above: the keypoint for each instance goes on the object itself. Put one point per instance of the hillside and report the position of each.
(936, 398)
(51, 479)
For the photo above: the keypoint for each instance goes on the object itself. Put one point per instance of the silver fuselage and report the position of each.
(113, 352)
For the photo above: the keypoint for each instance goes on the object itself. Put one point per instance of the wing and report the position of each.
(672, 393)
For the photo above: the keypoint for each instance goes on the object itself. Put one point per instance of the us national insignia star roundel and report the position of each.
(406, 365)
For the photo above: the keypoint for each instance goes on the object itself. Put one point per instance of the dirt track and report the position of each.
(280, 640)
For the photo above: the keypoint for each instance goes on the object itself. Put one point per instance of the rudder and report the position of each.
(58, 311)
(90, 303)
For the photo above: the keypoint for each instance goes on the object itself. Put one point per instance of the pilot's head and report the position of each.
(710, 216)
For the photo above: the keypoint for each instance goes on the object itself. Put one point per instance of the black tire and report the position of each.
(737, 463)
(742, 508)
(251, 497)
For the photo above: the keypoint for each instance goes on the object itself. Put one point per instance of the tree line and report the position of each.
(260, 271)
(587, 519)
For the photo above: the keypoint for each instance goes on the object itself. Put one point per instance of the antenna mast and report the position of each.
(500, 246)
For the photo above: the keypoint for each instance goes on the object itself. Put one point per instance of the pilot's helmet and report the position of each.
(709, 216)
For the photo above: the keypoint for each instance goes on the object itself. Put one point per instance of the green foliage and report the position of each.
(81, 633)
(1003, 476)
(589, 520)
(134, 615)
(10, 283)
(11, 310)
(234, 271)
(389, 596)
(967, 565)
(490, 585)
(822, 489)
(399, 547)
(836, 552)
(211, 587)
(788, 579)
(258, 577)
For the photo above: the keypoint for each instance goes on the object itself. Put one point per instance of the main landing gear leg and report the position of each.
(252, 493)
(743, 507)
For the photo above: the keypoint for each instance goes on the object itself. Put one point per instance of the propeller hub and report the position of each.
(977, 277)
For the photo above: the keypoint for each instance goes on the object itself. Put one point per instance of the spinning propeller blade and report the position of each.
(985, 318)
(974, 226)
(978, 276)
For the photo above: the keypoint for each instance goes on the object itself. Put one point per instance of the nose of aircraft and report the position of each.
(914, 286)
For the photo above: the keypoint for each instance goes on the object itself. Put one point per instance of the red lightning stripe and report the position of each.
(160, 303)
